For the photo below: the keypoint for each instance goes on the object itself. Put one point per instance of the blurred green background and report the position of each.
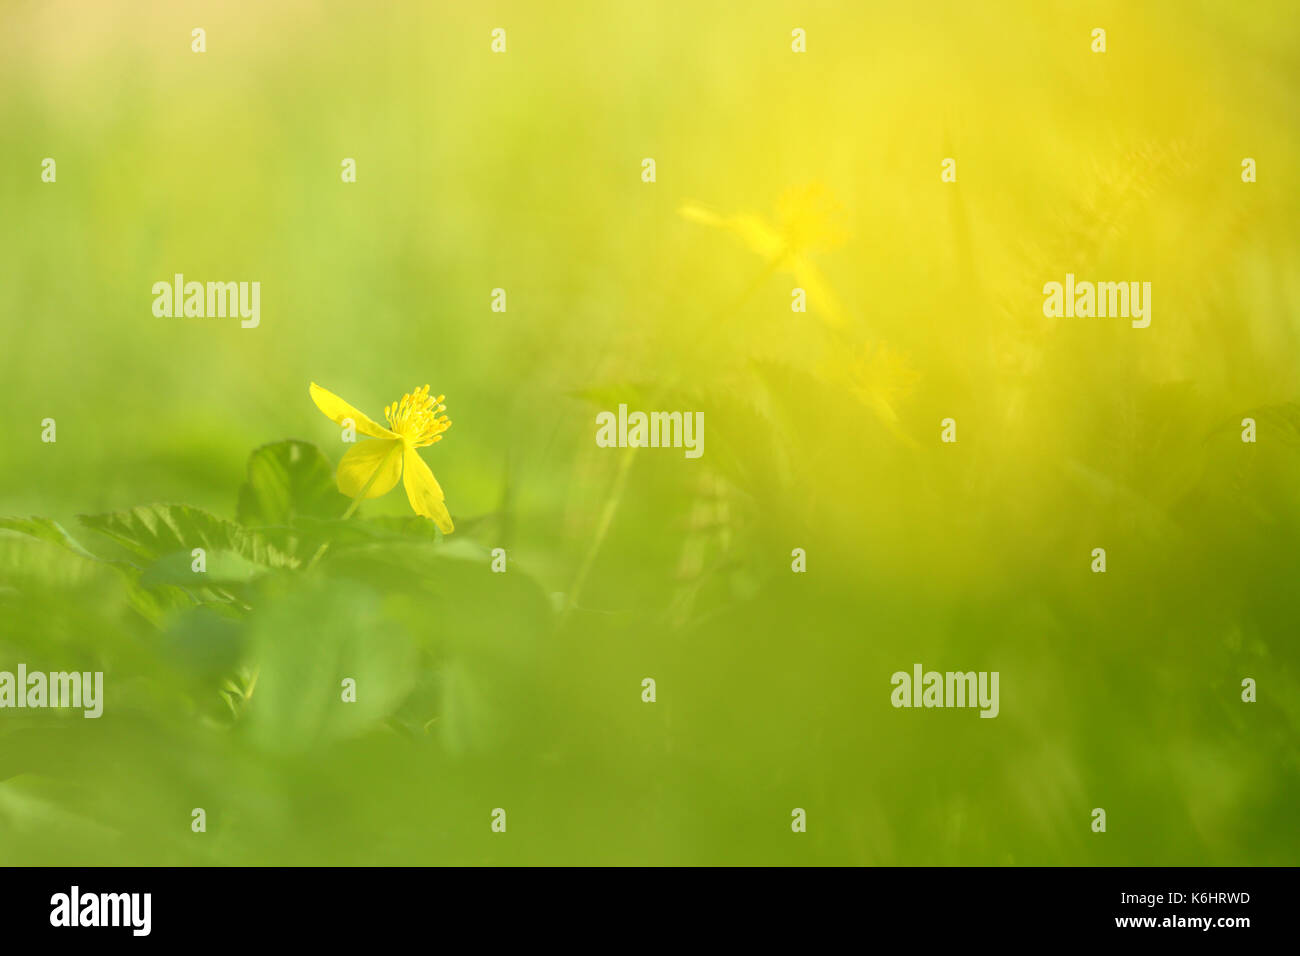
(522, 690)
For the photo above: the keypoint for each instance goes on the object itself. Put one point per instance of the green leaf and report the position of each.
(46, 529)
(371, 530)
(311, 635)
(286, 480)
(151, 605)
(205, 641)
(222, 567)
(363, 532)
(149, 532)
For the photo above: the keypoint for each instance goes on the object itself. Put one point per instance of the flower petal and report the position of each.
(336, 410)
(820, 295)
(362, 462)
(753, 231)
(424, 492)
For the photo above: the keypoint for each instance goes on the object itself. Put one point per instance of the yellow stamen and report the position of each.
(418, 418)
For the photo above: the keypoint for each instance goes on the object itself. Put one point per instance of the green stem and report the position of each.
(352, 508)
(602, 526)
(615, 498)
(356, 502)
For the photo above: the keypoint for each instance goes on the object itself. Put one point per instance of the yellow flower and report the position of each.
(807, 220)
(371, 468)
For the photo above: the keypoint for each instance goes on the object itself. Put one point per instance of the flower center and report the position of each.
(418, 418)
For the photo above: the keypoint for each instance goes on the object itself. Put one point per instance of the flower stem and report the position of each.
(602, 526)
(352, 508)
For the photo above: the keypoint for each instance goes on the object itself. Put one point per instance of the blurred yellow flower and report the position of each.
(807, 220)
(370, 469)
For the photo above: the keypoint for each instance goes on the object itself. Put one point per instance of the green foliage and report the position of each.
(288, 480)
(221, 567)
(246, 661)
(45, 529)
(150, 532)
(307, 637)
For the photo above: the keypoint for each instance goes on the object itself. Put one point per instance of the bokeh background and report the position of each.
(523, 171)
